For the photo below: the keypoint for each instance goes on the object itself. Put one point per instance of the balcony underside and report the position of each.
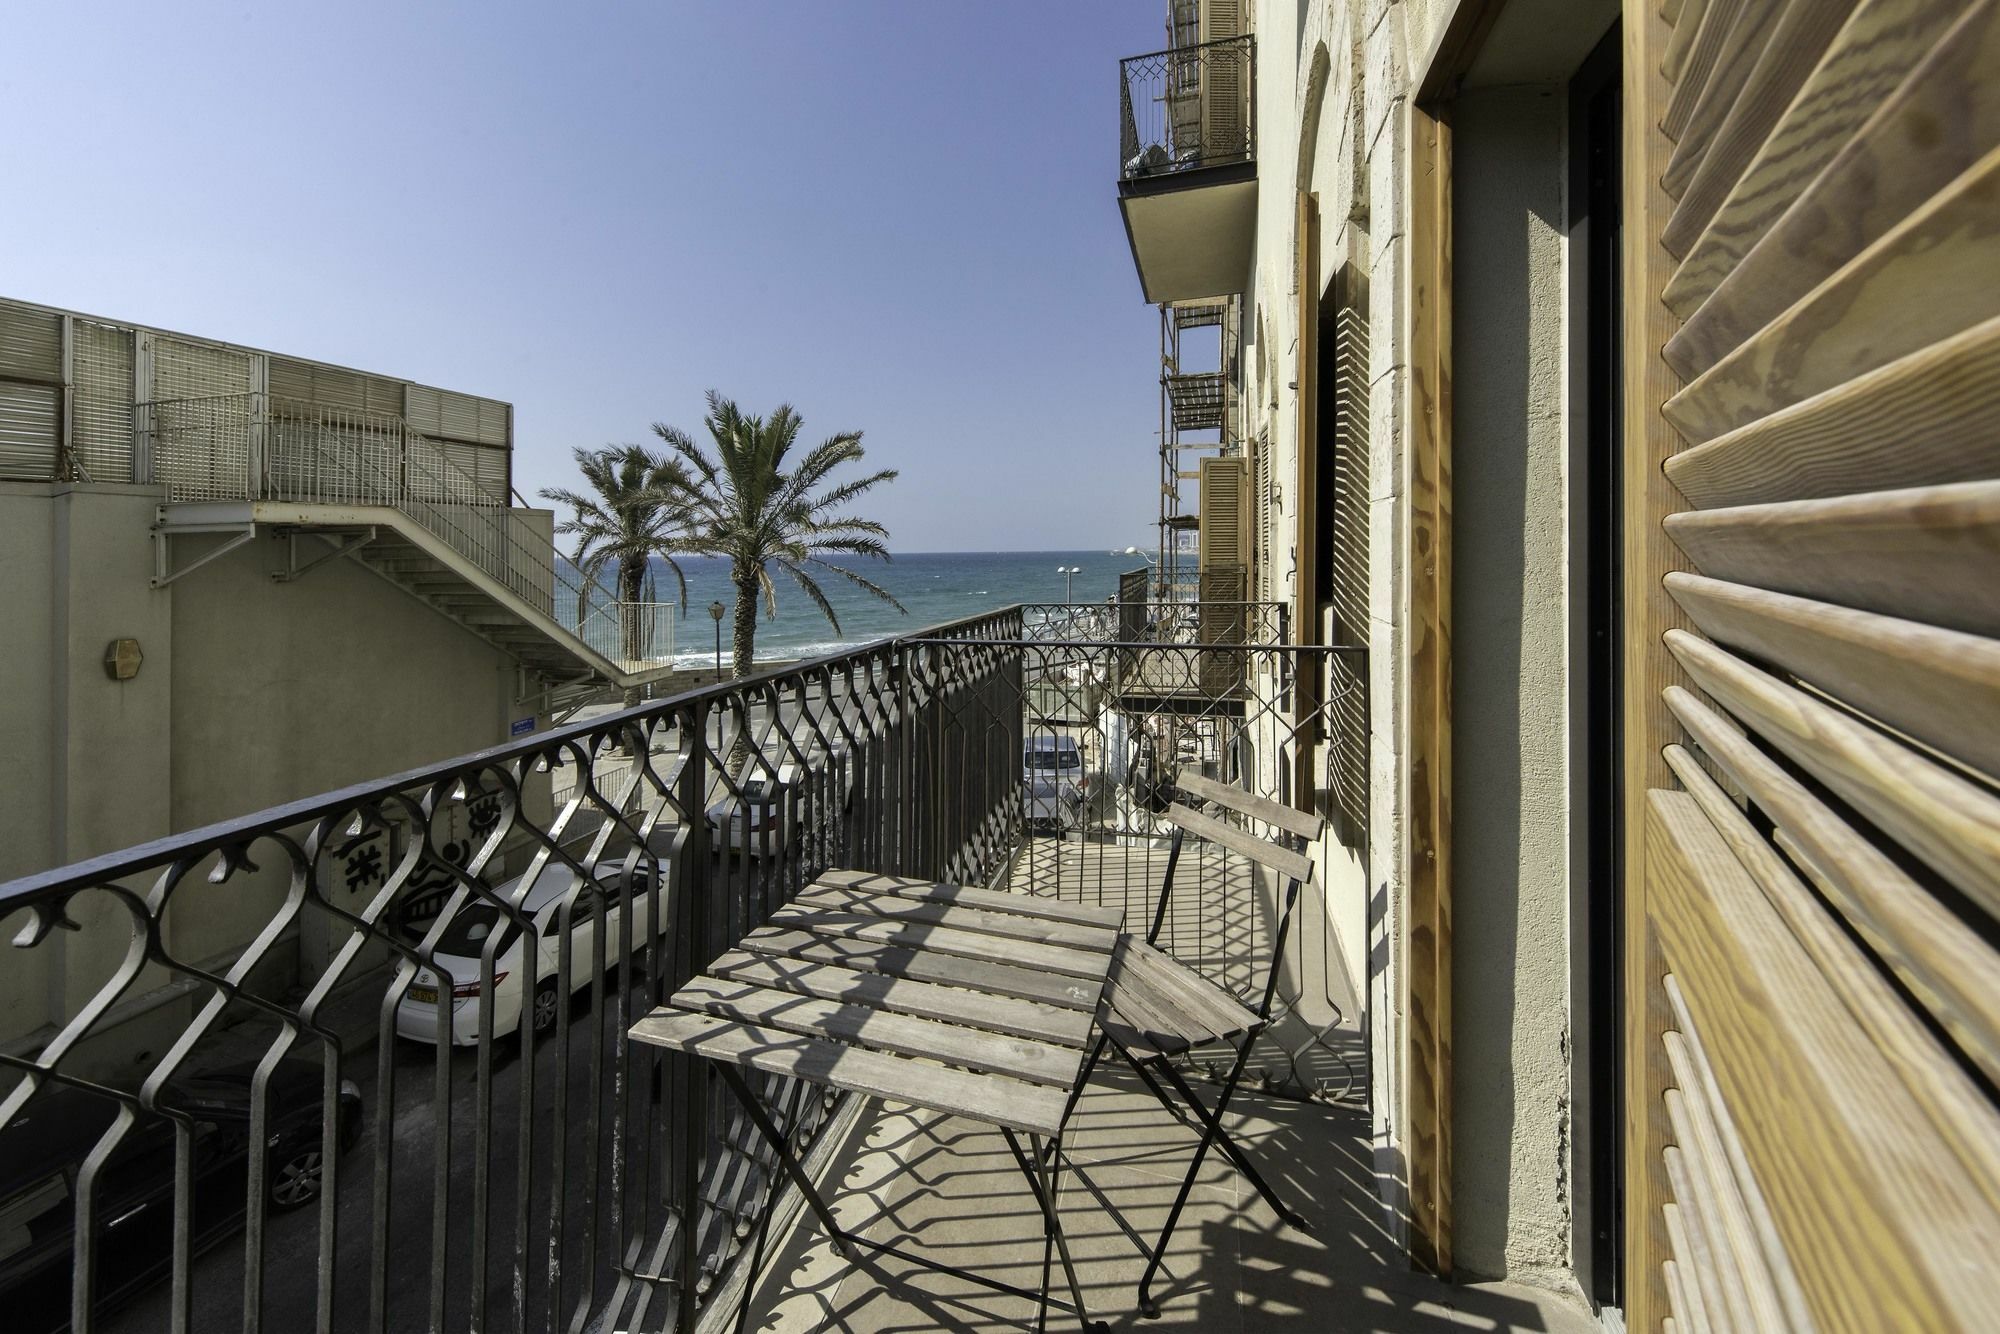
(1193, 232)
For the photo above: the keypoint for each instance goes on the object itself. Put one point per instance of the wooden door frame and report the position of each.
(1649, 612)
(1428, 648)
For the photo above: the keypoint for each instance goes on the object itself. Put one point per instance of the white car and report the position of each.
(754, 822)
(1054, 788)
(459, 948)
(738, 823)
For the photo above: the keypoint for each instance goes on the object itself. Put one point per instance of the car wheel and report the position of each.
(544, 1016)
(295, 1180)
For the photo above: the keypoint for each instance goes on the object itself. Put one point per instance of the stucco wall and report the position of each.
(1510, 725)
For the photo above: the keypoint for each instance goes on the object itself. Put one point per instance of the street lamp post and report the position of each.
(1159, 581)
(715, 610)
(1069, 573)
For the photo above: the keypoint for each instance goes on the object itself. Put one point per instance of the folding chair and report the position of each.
(1156, 1009)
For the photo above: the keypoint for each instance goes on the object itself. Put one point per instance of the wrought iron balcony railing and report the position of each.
(1188, 107)
(235, 1110)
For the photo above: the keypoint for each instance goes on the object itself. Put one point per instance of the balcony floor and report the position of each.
(951, 1188)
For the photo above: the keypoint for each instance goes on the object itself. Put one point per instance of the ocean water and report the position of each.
(933, 586)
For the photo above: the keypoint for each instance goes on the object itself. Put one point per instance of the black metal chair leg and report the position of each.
(779, 1146)
(1212, 1121)
(1166, 1099)
(1211, 1129)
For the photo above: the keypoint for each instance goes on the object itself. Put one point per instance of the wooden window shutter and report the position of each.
(1305, 624)
(1813, 397)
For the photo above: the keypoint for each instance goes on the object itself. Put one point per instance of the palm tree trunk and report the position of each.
(743, 660)
(631, 576)
(746, 623)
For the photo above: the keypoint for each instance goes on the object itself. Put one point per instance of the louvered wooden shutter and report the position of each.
(1814, 1030)
(1225, 83)
(1225, 514)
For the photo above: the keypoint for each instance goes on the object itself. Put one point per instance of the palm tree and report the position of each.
(636, 510)
(748, 506)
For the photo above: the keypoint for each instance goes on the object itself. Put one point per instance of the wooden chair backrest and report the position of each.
(1281, 856)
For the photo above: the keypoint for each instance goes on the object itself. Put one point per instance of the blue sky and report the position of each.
(900, 216)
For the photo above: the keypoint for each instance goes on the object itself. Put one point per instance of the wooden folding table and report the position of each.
(960, 1000)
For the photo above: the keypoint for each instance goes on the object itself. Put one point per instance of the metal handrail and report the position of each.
(1187, 107)
(286, 449)
(471, 835)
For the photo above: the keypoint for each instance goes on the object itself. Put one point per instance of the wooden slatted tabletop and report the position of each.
(973, 1002)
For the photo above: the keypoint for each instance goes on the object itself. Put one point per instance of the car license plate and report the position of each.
(424, 995)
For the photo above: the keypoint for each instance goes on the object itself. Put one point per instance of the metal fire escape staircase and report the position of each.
(362, 486)
(1195, 416)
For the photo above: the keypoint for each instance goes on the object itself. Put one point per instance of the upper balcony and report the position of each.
(1187, 167)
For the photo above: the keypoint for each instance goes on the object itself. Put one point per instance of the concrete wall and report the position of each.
(1510, 686)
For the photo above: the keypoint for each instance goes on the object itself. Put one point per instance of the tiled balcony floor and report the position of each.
(952, 1188)
(949, 1189)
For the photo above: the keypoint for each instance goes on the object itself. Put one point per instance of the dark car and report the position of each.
(44, 1148)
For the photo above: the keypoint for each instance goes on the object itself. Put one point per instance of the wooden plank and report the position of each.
(925, 1000)
(993, 1099)
(1187, 991)
(1245, 844)
(1945, 964)
(1951, 824)
(1426, 861)
(883, 1030)
(1955, 1107)
(1674, 52)
(1932, 129)
(1012, 926)
(1687, 1298)
(1749, 1288)
(1027, 905)
(1928, 554)
(1927, 419)
(1678, 1301)
(1306, 592)
(1921, 282)
(1880, 43)
(1647, 442)
(1710, 43)
(1876, 1212)
(1939, 687)
(921, 965)
(1743, 53)
(1084, 964)
(1701, 1258)
(1725, 133)
(1703, 1210)
(1776, 1263)
(1305, 825)
(1146, 985)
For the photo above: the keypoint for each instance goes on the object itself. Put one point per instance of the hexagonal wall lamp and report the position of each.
(122, 658)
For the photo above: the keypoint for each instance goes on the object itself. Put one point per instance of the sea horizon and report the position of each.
(934, 587)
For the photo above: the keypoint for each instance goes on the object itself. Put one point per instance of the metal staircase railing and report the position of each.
(263, 447)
